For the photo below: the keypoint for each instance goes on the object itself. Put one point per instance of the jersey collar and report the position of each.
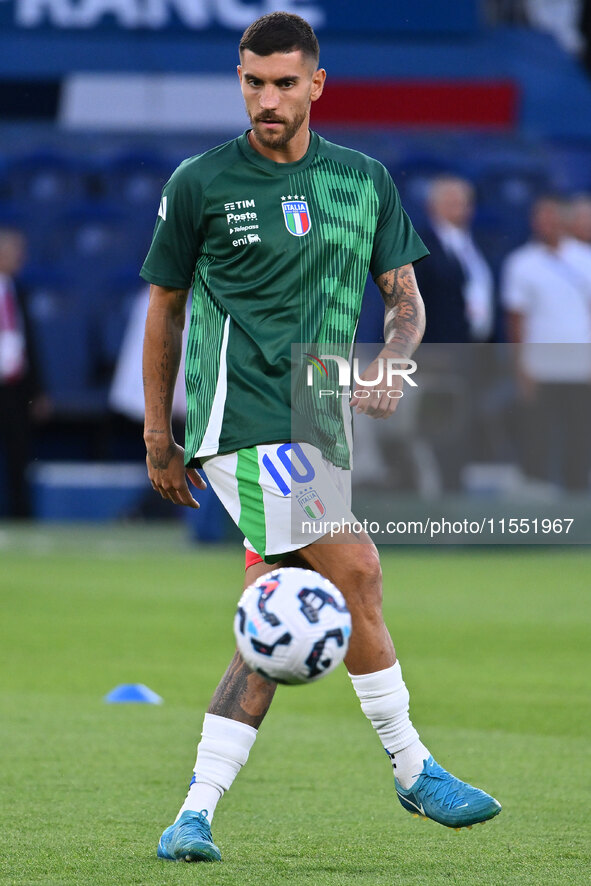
(270, 165)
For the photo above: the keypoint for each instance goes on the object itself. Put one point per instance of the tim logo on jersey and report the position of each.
(296, 216)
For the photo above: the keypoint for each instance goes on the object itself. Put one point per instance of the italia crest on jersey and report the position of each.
(297, 217)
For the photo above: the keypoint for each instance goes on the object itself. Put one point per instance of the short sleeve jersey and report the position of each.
(276, 253)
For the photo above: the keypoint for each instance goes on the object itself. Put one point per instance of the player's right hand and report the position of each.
(168, 475)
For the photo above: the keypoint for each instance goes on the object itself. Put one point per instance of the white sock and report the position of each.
(221, 754)
(384, 701)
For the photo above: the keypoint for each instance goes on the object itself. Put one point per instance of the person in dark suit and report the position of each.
(21, 395)
(455, 280)
(457, 287)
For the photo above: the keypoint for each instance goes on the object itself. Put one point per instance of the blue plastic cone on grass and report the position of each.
(135, 693)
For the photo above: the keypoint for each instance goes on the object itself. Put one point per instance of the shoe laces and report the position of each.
(200, 821)
(443, 787)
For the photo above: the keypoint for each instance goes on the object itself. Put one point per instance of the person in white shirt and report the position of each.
(546, 291)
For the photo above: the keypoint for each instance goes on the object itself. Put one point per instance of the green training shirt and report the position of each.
(276, 253)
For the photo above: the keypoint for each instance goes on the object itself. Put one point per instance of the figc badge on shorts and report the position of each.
(311, 503)
(296, 216)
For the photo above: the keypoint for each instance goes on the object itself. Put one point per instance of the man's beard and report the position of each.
(276, 139)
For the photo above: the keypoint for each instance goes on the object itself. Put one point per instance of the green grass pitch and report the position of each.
(494, 646)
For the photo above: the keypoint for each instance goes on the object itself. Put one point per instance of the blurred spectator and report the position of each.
(455, 280)
(579, 218)
(547, 293)
(457, 287)
(21, 396)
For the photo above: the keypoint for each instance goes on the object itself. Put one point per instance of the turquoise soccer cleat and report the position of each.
(441, 796)
(189, 839)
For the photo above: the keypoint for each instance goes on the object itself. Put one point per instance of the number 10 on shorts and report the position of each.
(284, 468)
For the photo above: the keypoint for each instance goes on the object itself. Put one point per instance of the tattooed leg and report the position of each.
(238, 706)
(242, 695)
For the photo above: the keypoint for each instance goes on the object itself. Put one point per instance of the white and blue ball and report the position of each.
(292, 626)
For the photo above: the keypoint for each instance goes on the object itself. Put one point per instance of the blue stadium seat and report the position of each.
(133, 177)
(62, 338)
(513, 187)
(91, 236)
(109, 310)
(570, 163)
(12, 215)
(47, 177)
(498, 233)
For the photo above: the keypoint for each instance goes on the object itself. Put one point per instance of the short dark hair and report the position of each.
(280, 32)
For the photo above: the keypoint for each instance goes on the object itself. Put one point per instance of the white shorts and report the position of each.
(282, 496)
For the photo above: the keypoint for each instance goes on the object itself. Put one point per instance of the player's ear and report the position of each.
(239, 72)
(318, 81)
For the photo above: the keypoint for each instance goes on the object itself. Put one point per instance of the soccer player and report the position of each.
(275, 231)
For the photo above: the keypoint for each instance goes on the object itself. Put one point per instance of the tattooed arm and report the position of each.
(161, 359)
(404, 325)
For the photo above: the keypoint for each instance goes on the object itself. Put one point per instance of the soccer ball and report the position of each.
(292, 626)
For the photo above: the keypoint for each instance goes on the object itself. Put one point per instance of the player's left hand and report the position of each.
(380, 399)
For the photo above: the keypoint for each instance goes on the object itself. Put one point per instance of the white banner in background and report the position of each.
(190, 103)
